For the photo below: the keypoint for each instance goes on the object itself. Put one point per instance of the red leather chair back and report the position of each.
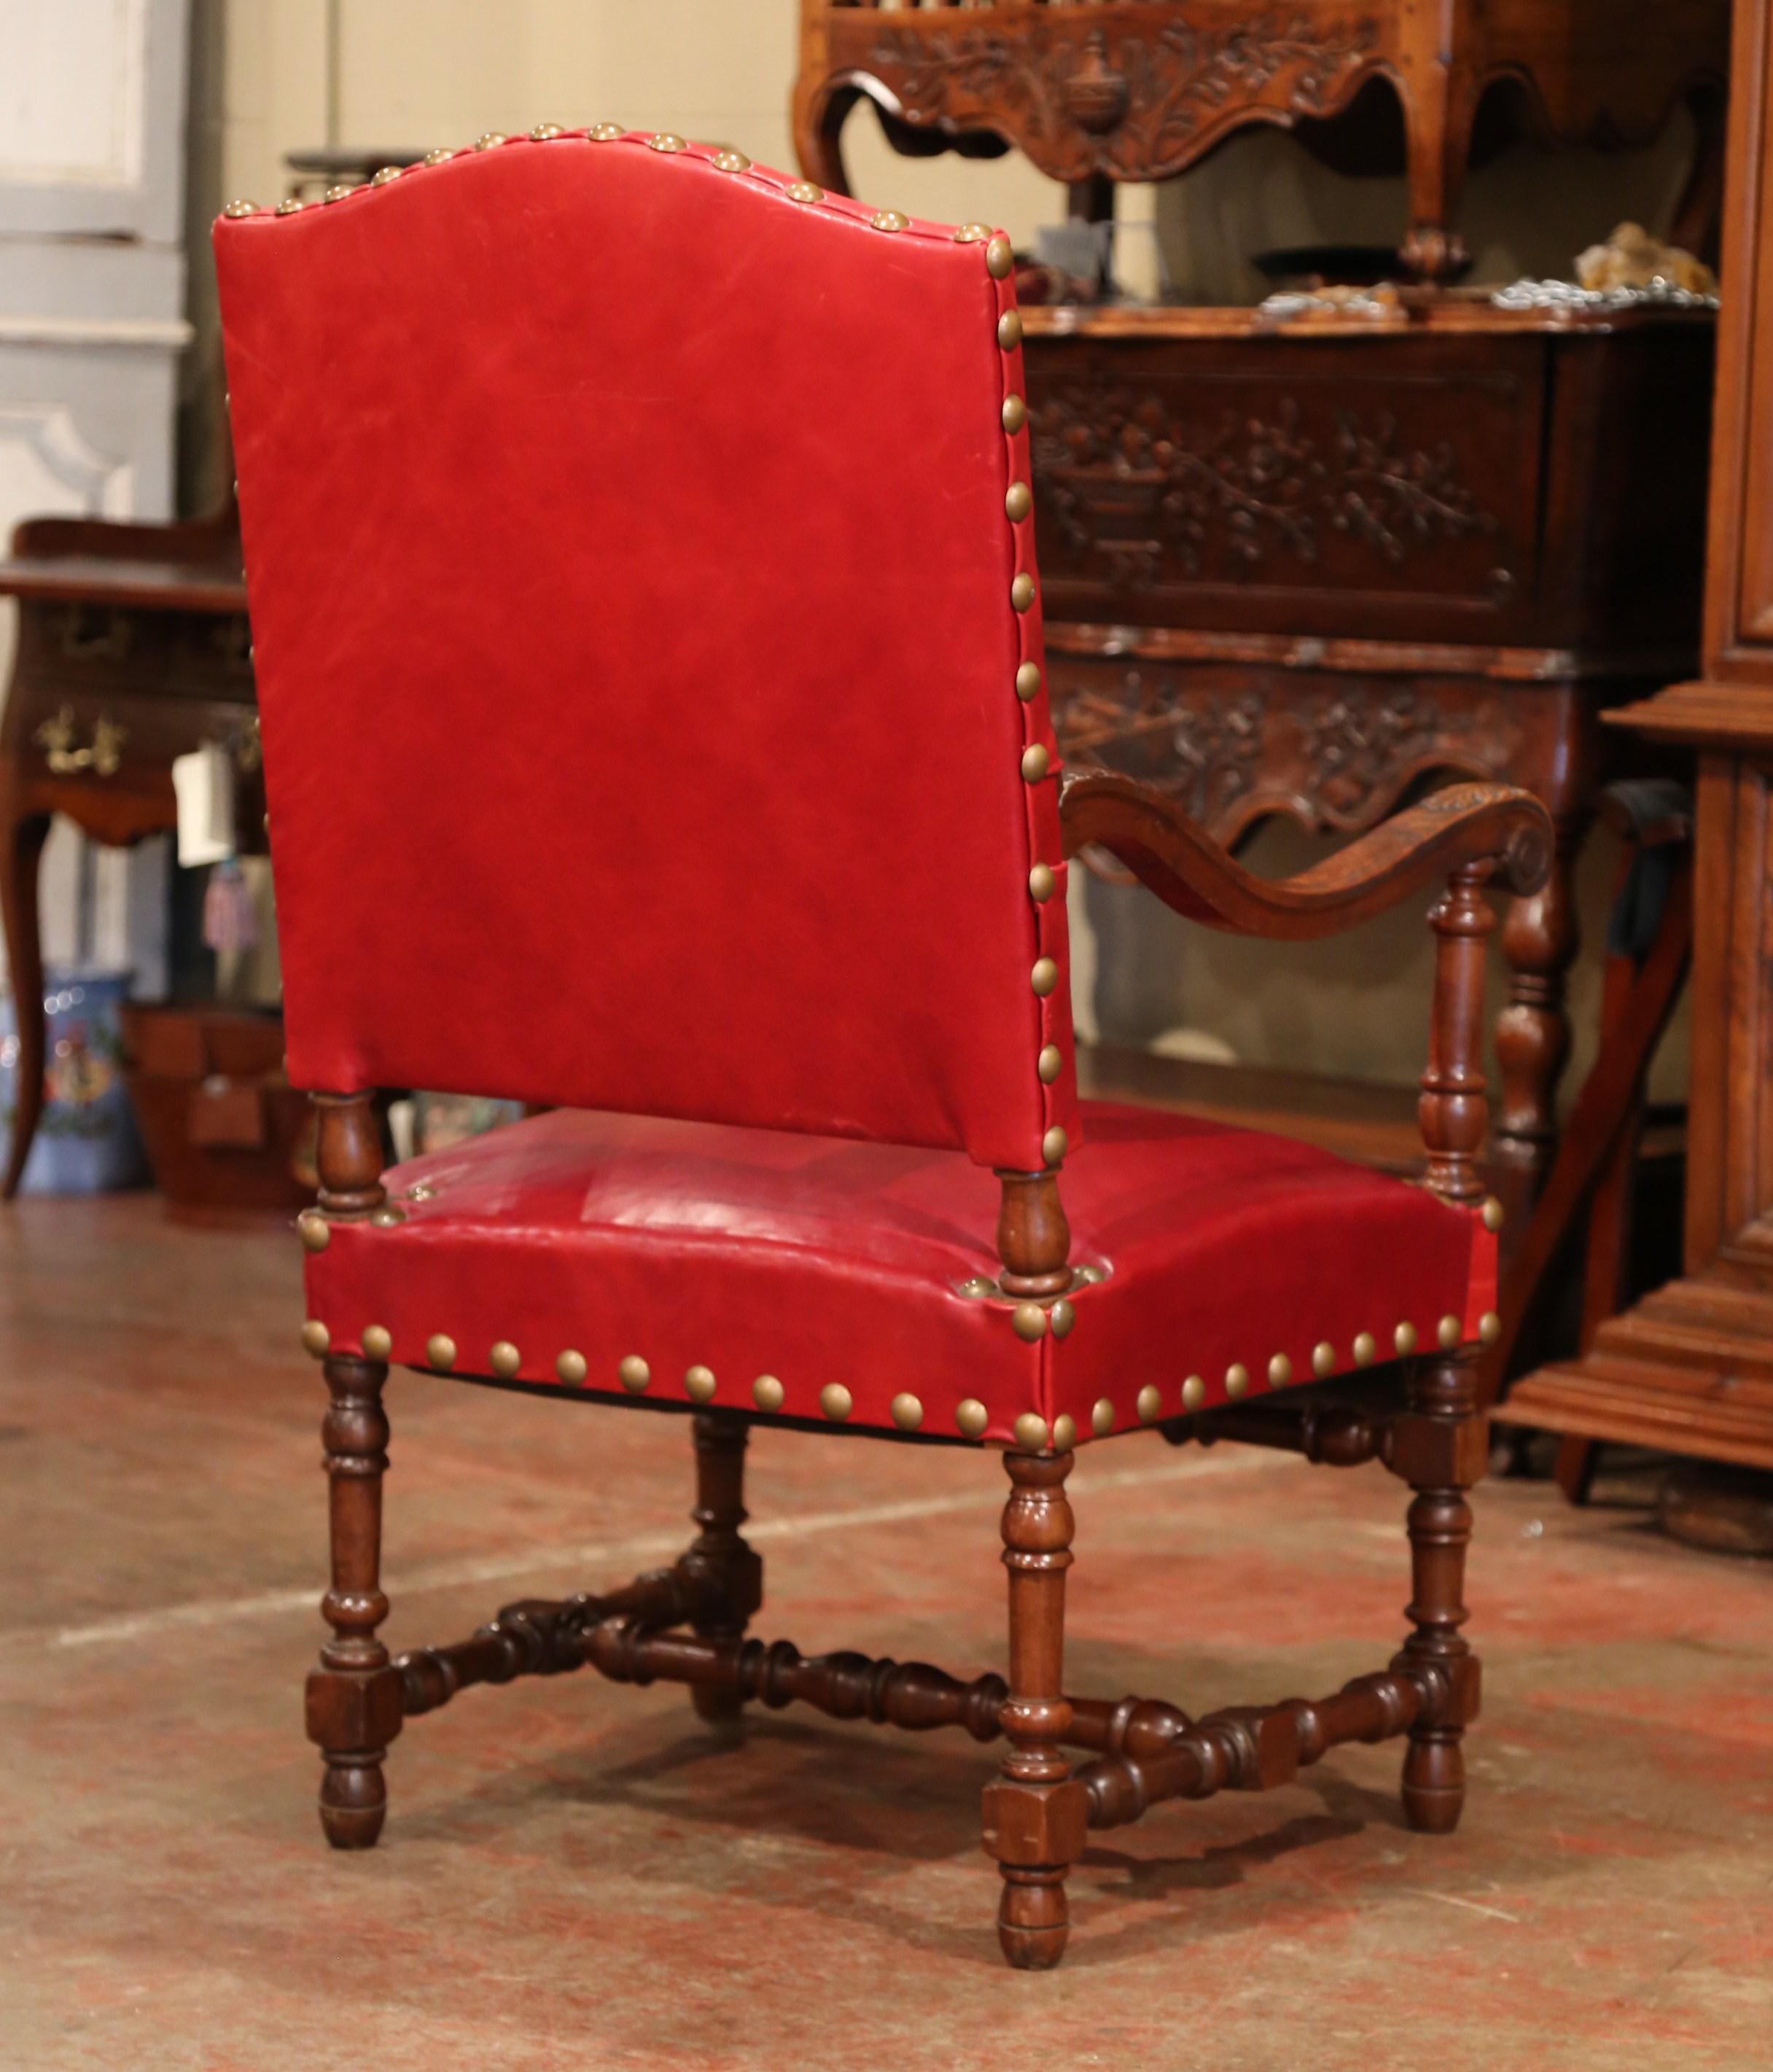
(630, 546)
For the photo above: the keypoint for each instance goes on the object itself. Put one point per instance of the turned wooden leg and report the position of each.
(24, 838)
(354, 1698)
(1440, 1451)
(732, 1574)
(1035, 1812)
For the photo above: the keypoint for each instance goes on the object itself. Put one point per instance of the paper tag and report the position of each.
(204, 783)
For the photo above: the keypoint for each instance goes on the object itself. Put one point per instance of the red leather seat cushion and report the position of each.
(819, 1260)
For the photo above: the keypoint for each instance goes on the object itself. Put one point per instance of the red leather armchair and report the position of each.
(655, 728)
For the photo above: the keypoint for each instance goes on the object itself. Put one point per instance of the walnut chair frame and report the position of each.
(691, 1623)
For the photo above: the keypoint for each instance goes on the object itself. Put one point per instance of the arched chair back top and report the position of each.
(643, 595)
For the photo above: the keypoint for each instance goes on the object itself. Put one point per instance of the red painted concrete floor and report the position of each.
(575, 1875)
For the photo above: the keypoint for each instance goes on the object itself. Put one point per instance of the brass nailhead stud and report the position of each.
(1050, 1063)
(1365, 1349)
(698, 1384)
(1323, 1358)
(1279, 1371)
(1053, 1145)
(633, 1373)
(442, 152)
(767, 1393)
(386, 174)
(1022, 591)
(1403, 1338)
(545, 132)
(292, 207)
(972, 233)
(1086, 1276)
(971, 1417)
(440, 1351)
(336, 194)
(663, 140)
(1028, 1321)
(315, 1231)
(998, 258)
(1237, 1378)
(1015, 414)
(1061, 1317)
(836, 1401)
(1009, 329)
(387, 1217)
(492, 138)
(1027, 680)
(1064, 1432)
(1148, 1404)
(1448, 1332)
(1044, 977)
(1030, 1431)
(1017, 501)
(378, 1342)
(1194, 1392)
(804, 191)
(732, 162)
(888, 219)
(1041, 883)
(1035, 763)
(315, 1337)
(1489, 1327)
(505, 1359)
(907, 1413)
(605, 133)
(1494, 1213)
(236, 209)
(1102, 1417)
(572, 1368)
(977, 1286)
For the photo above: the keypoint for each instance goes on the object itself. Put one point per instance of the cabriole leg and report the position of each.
(1035, 1813)
(734, 1574)
(354, 1696)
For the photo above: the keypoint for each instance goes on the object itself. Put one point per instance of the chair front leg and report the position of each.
(1036, 1812)
(354, 1696)
(730, 1574)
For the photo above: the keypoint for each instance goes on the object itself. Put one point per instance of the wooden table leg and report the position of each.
(23, 834)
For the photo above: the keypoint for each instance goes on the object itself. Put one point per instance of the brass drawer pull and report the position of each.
(102, 758)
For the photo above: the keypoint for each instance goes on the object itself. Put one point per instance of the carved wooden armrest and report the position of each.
(213, 539)
(1190, 871)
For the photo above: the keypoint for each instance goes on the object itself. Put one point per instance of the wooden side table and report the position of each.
(133, 649)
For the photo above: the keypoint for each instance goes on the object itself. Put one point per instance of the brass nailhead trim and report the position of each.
(663, 140)
(1015, 414)
(605, 133)
(385, 174)
(315, 1337)
(1448, 1331)
(999, 258)
(888, 219)
(292, 207)
(971, 1417)
(767, 1393)
(1050, 1063)
(236, 209)
(907, 1413)
(1022, 591)
(1028, 1321)
(1061, 1317)
(1054, 1145)
(633, 1373)
(1403, 1338)
(442, 152)
(1041, 883)
(1035, 763)
(1017, 501)
(440, 1351)
(1030, 1431)
(387, 1217)
(1489, 1327)
(1279, 1371)
(315, 1231)
(545, 133)
(1009, 329)
(803, 192)
(505, 1359)
(572, 1367)
(1027, 680)
(491, 140)
(1495, 1215)
(1148, 1404)
(1194, 1392)
(1323, 1358)
(698, 1383)
(836, 1401)
(1102, 1417)
(972, 233)
(335, 193)
(1044, 977)
(1365, 1349)
(1237, 1378)
(1064, 1432)
(378, 1342)
(732, 162)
